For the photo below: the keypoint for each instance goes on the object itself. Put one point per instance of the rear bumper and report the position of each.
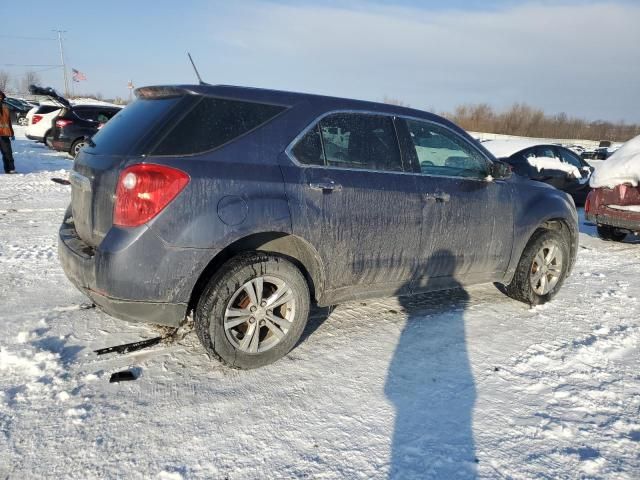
(624, 220)
(61, 145)
(132, 275)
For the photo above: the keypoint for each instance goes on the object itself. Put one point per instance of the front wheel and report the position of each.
(605, 232)
(22, 121)
(253, 311)
(542, 269)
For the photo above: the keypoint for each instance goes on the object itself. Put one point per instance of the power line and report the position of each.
(28, 65)
(18, 37)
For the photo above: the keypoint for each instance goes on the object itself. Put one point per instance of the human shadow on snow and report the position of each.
(431, 386)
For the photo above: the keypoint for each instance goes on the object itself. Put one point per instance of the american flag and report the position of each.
(77, 75)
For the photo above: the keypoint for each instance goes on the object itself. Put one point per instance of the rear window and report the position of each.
(212, 122)
(124, 131)
(96, 114)
(44, 109)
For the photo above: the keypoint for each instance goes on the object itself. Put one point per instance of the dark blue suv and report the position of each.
(246, 206)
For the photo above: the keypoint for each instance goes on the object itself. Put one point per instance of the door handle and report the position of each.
(326, 186)
(437, 197)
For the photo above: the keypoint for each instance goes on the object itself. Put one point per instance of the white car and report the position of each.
(40, 121)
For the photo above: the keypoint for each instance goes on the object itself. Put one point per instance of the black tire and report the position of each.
(221, 290)
(47, 138)
(78, 143)
(521, 287)
(611, 234)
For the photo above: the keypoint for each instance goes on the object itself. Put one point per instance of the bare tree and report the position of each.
(521, 119)
(5, 78)
(30, 78)
(394, 101)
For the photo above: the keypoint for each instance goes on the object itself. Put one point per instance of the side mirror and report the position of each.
(500, 170)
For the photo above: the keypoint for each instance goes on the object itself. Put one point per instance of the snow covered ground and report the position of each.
(450, 385)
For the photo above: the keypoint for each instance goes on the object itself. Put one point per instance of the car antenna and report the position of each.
(196, 70)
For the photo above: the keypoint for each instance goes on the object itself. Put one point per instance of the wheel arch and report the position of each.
(557, 223)
(297, 250)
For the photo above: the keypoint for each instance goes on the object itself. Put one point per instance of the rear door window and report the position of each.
(86, 113)
(351, 140)
(213, 122)
(545, 152)
(355, 140)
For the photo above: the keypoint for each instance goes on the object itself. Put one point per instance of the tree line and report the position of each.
(526, 121)
(523, 120)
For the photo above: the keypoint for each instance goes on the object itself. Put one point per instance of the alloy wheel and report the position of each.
(259, 314)
(76, 149)
(546, 268)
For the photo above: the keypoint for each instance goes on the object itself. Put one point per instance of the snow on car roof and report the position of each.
(506, 148)
(93, 102)
(621, 167)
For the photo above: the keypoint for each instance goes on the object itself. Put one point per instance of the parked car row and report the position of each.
(245, 206)
(603, 151)
(19, 109)
(63, 126)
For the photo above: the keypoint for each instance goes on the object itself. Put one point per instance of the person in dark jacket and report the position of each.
(6, 136)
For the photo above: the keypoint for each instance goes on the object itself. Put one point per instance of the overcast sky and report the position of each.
(580, 57)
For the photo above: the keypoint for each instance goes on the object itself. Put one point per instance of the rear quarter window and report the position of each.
(212, 122)
(125, 132)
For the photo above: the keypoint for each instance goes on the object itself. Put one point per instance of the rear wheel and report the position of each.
(47, 139)
(76, 146)
(542, 268)
(22, 121)
(606, 232)
(253, 311)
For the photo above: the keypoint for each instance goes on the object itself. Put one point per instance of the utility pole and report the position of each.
(64, 66)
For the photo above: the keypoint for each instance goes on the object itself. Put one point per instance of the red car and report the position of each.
(616, 211)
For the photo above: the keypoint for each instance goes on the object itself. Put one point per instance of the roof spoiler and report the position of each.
(51, 93)
(162, 91)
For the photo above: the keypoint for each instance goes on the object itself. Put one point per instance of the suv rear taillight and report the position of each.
(587, 202)
(63, 123)
(144, 190)
(35, 119)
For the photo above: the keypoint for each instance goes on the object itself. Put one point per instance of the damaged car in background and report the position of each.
(246, 206)
(553, 164)
(614, 203)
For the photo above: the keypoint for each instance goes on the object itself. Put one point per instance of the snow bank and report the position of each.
(506, 148)
(548, 163)
(621, 167)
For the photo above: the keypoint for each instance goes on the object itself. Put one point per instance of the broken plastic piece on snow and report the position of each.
(130, 347)
(123, 376)
(61, 181)
(87, 306)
